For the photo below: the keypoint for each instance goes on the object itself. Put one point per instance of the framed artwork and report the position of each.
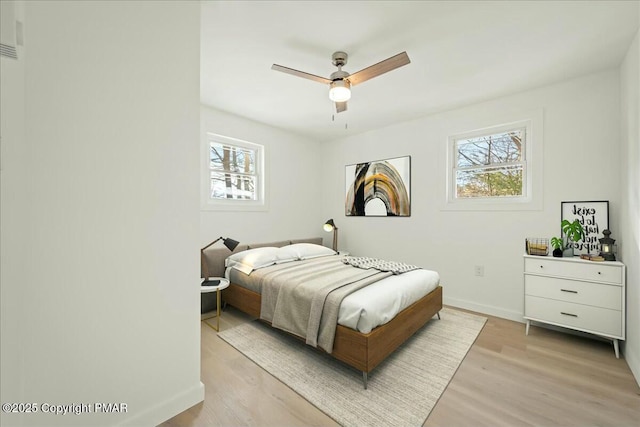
(594, 218)
(379, 188)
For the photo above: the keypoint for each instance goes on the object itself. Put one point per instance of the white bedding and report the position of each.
(363, 310)
(380, 302)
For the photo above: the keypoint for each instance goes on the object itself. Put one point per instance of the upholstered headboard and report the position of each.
(215, 256)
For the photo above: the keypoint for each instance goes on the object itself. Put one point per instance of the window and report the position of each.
(491, 166)
(235, 173)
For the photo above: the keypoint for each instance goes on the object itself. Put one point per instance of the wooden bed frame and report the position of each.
(361, 351)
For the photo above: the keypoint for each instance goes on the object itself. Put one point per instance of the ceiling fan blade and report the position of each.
(341, 106)
(300, 74)
(382, 67)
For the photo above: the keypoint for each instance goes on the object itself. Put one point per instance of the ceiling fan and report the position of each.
(340, 82)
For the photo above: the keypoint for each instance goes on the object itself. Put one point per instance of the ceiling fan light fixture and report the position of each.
(340, 81)
(340, 91)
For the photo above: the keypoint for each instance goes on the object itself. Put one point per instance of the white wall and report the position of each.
(100, 212)
(581, 123)
(13, 223)
(293, 185)
(629, 238)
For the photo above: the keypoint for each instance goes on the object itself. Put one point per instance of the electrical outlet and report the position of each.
(478, 270)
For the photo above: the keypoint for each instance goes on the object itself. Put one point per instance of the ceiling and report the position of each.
(461, 53)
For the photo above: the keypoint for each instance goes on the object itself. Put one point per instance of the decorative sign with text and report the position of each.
(594, 218)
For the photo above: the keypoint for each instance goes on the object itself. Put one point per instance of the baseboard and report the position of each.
(633, 360)
(162, 411)
(516, 316)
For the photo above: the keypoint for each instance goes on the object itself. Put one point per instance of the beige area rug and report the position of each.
(402, 390)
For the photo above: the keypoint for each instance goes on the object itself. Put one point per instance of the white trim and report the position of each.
(209, 204)
(162, 411)
(632, 360)
(525, 127)
(532, 172)
(491, 310)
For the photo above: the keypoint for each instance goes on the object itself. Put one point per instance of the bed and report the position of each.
(362, 349)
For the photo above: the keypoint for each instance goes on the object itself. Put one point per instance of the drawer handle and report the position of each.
(569, 290)
(568, 314)
(599, 272)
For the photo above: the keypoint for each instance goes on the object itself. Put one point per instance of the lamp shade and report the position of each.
(230, 243)
(340, 91)
(329, 226)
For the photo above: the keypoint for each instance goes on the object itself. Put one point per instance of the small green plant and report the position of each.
(556, 242)
(573, 230)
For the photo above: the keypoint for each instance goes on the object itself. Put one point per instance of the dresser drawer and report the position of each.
(586, 318)
(588, 293)
(588, 270)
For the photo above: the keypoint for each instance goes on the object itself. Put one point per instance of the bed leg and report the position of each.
(365, 377)
(438, 313)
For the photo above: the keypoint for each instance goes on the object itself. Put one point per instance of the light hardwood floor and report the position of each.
(548, 378)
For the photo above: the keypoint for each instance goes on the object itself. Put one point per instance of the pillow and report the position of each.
(309, 250)
(286, 254)
(251, 259)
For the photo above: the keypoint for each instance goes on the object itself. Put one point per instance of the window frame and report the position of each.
(525, 201)
(210, 203)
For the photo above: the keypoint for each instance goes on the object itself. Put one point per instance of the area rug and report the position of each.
(401, 391)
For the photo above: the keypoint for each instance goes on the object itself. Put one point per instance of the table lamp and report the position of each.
(229, 243)
(330, 226)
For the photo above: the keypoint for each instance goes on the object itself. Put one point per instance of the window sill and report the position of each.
(493, 205)
(237, 206)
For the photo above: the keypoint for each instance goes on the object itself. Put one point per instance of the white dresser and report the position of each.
(578, 294)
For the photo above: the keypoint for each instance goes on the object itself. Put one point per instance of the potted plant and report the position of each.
(573, 232)
(556, 242)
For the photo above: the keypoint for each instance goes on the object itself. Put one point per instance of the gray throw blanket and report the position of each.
(379, 264)
(304, 297)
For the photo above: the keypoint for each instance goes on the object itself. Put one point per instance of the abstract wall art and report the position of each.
(379, 188)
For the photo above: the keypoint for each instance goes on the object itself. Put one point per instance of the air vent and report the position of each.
(8, 51)
(8, 30)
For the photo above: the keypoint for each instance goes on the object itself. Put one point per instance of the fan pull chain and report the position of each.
(333, 119)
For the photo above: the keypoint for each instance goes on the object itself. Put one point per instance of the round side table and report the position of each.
(214, 284)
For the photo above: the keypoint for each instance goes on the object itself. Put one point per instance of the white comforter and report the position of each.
(373, 305)
(379, 302)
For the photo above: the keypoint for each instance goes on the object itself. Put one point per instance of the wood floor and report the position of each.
(548, 378)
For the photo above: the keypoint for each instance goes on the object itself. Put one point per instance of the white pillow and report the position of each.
(309, 250)
(286, 254)
(253, 259)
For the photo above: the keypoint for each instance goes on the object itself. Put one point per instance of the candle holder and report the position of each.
(608, 248)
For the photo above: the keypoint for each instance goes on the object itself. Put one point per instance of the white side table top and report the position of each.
(222, 284)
